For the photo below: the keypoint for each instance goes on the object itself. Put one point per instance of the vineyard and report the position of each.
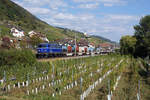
(91, 78)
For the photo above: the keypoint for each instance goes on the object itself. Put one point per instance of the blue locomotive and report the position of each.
(49, 50)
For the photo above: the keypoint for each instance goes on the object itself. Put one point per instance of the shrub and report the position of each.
(14, 56)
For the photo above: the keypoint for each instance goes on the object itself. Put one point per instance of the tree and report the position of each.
(127, 44)
(142, 34)
(23, 43)
(35, 40)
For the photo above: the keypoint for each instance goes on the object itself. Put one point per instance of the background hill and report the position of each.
(12, 14)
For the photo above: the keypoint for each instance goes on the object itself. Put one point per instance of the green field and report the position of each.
(61, 79)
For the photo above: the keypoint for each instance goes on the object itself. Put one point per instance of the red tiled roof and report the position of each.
(105, 45)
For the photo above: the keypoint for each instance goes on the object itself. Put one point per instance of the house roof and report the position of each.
(65, 41)
(32, 32)
(105, 45)
(19, 29)
(83, 42)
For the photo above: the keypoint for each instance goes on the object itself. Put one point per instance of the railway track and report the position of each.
(62, 58)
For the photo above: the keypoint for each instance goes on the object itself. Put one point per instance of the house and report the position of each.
(106, 47)
(83, 42)
(44, 39)
(40, 35)
(65, 41)
(91, 48)
(17, 33)
(32, 33)
(92, 45)
(86, 35)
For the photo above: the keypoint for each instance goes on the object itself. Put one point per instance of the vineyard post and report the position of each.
(82, 60)
(109, 86)
(72, 75)
(109, 94)
(53, 72)
(63, 63)
(35, 71)
(68, 72)
(81, 80)
(138, 94)
(0, 32)
(100, 63)
(28, 78)
(4, 75)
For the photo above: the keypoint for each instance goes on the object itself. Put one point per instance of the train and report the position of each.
(47, 50)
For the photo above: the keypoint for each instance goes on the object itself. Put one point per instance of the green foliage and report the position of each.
(127, 44)
(2, 99)
(35, 40)
(142, 33)
(4, 31)
(23, 44)
(13, 57)
(141, 38)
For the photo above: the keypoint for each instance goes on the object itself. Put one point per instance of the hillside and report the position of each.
(14, 15)
(104, 39)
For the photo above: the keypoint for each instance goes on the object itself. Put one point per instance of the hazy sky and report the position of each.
(108, 18)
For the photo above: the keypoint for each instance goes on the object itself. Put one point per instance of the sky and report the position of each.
(111, 19)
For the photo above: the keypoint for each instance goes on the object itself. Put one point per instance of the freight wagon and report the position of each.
(69, 51)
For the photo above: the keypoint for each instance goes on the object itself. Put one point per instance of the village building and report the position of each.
(86, 35)
(83, 42)
(106, 47)
(91, 48)
(92, 45)
(65, 41)
(17, 33)
(44, 39)
(41, 36)
(32, 33)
